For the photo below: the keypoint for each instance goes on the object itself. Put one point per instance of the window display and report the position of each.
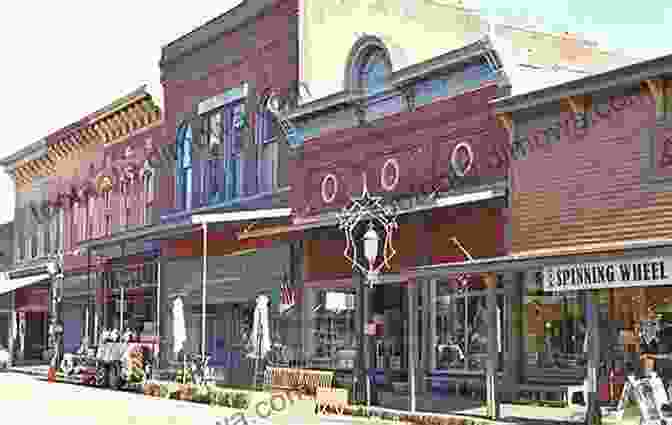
(555, 326)
(461, 340)
(333, 328)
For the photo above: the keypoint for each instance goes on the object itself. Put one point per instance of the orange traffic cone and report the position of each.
(51, 377)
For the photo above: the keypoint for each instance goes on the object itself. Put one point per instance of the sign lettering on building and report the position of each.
(648, 272)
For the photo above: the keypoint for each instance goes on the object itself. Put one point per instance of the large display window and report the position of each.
(461, 339)
(333, 329)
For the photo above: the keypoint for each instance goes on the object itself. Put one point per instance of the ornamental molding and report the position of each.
(463, 169)
(123, 119)
(325, 196)
(394, 163)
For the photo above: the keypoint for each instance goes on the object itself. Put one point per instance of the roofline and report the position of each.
(94, 116)
(213, 29)
(37, 149)
(613, 78)
(403, 76)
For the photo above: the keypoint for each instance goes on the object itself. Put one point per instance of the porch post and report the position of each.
(593, 414)
(157, 323)
(412, 342)
(430, 324)
(493, 348)
(163, 324)
(203, 289)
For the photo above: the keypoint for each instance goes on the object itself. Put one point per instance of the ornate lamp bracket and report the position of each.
(368, 208)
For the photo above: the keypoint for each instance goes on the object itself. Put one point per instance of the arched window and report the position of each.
(148, 180)
(184, 171)
(373, 71)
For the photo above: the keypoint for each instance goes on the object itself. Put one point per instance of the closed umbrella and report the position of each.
(261, 339)
(179, 327)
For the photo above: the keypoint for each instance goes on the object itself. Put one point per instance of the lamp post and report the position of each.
(56, 326)
(359, 210)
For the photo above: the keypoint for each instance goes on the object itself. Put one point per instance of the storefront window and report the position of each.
(333, 328)
(5, 322)
(555, 327)
(461, 340)
(131, 300)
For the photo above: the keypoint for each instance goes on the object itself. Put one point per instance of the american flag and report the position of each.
(462, 280)
(287, 294)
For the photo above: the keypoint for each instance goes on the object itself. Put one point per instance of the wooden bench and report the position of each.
(307, 380)
(314, 383)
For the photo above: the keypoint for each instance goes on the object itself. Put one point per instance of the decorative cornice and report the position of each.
(125, 118)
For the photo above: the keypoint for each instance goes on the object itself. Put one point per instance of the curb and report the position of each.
(27, 372)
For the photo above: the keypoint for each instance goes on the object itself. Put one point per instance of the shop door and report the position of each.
(36, 336)
(72, 328)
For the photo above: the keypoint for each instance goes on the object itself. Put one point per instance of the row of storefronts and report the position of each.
(529, 224)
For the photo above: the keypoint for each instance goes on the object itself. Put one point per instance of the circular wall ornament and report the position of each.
(326, 197)
(462, 167)
(384, 181)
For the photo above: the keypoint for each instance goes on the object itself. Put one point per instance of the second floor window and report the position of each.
(125, 205)
(91, 208)
(223, 130)
(184, 167)
(75, 222)
(148, 191)
(267, 164)
(373, 72)
(107, 196)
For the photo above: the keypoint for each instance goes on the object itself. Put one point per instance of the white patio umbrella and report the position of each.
(179, 327)
(261, 338)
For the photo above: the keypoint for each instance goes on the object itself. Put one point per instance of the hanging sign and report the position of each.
(643, 272)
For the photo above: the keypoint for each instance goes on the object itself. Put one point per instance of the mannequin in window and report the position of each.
(478, 338)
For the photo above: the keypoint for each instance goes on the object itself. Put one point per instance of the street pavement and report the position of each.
(29, 400)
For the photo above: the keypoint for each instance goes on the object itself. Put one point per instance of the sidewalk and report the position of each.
(510, 413)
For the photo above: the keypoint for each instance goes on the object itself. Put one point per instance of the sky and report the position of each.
(64, 60)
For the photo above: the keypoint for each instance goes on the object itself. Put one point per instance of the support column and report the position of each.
(493, 351)
(412, 343)
(307, 338)
(593, 414)
(163, 324)
(430, 324)
(363, 363)
(204, 290)
(513, 333)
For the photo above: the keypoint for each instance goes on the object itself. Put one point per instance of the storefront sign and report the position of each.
(648, 272)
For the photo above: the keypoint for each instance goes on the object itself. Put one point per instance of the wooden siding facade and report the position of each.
(593, 185)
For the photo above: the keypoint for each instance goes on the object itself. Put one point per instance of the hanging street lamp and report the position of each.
(367, 209)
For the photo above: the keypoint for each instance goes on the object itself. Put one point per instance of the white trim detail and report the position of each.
(325, 198)
(383, 181)
(9, 285)
(240, 215)
(469, 197)
(453, 159)
(221, 99)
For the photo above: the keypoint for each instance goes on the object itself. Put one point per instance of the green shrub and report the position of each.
(240, 401)
(164, 391)
(224, 399)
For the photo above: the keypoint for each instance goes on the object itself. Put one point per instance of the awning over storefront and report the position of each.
(548, 257)
(482, 194)
(9, 285)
